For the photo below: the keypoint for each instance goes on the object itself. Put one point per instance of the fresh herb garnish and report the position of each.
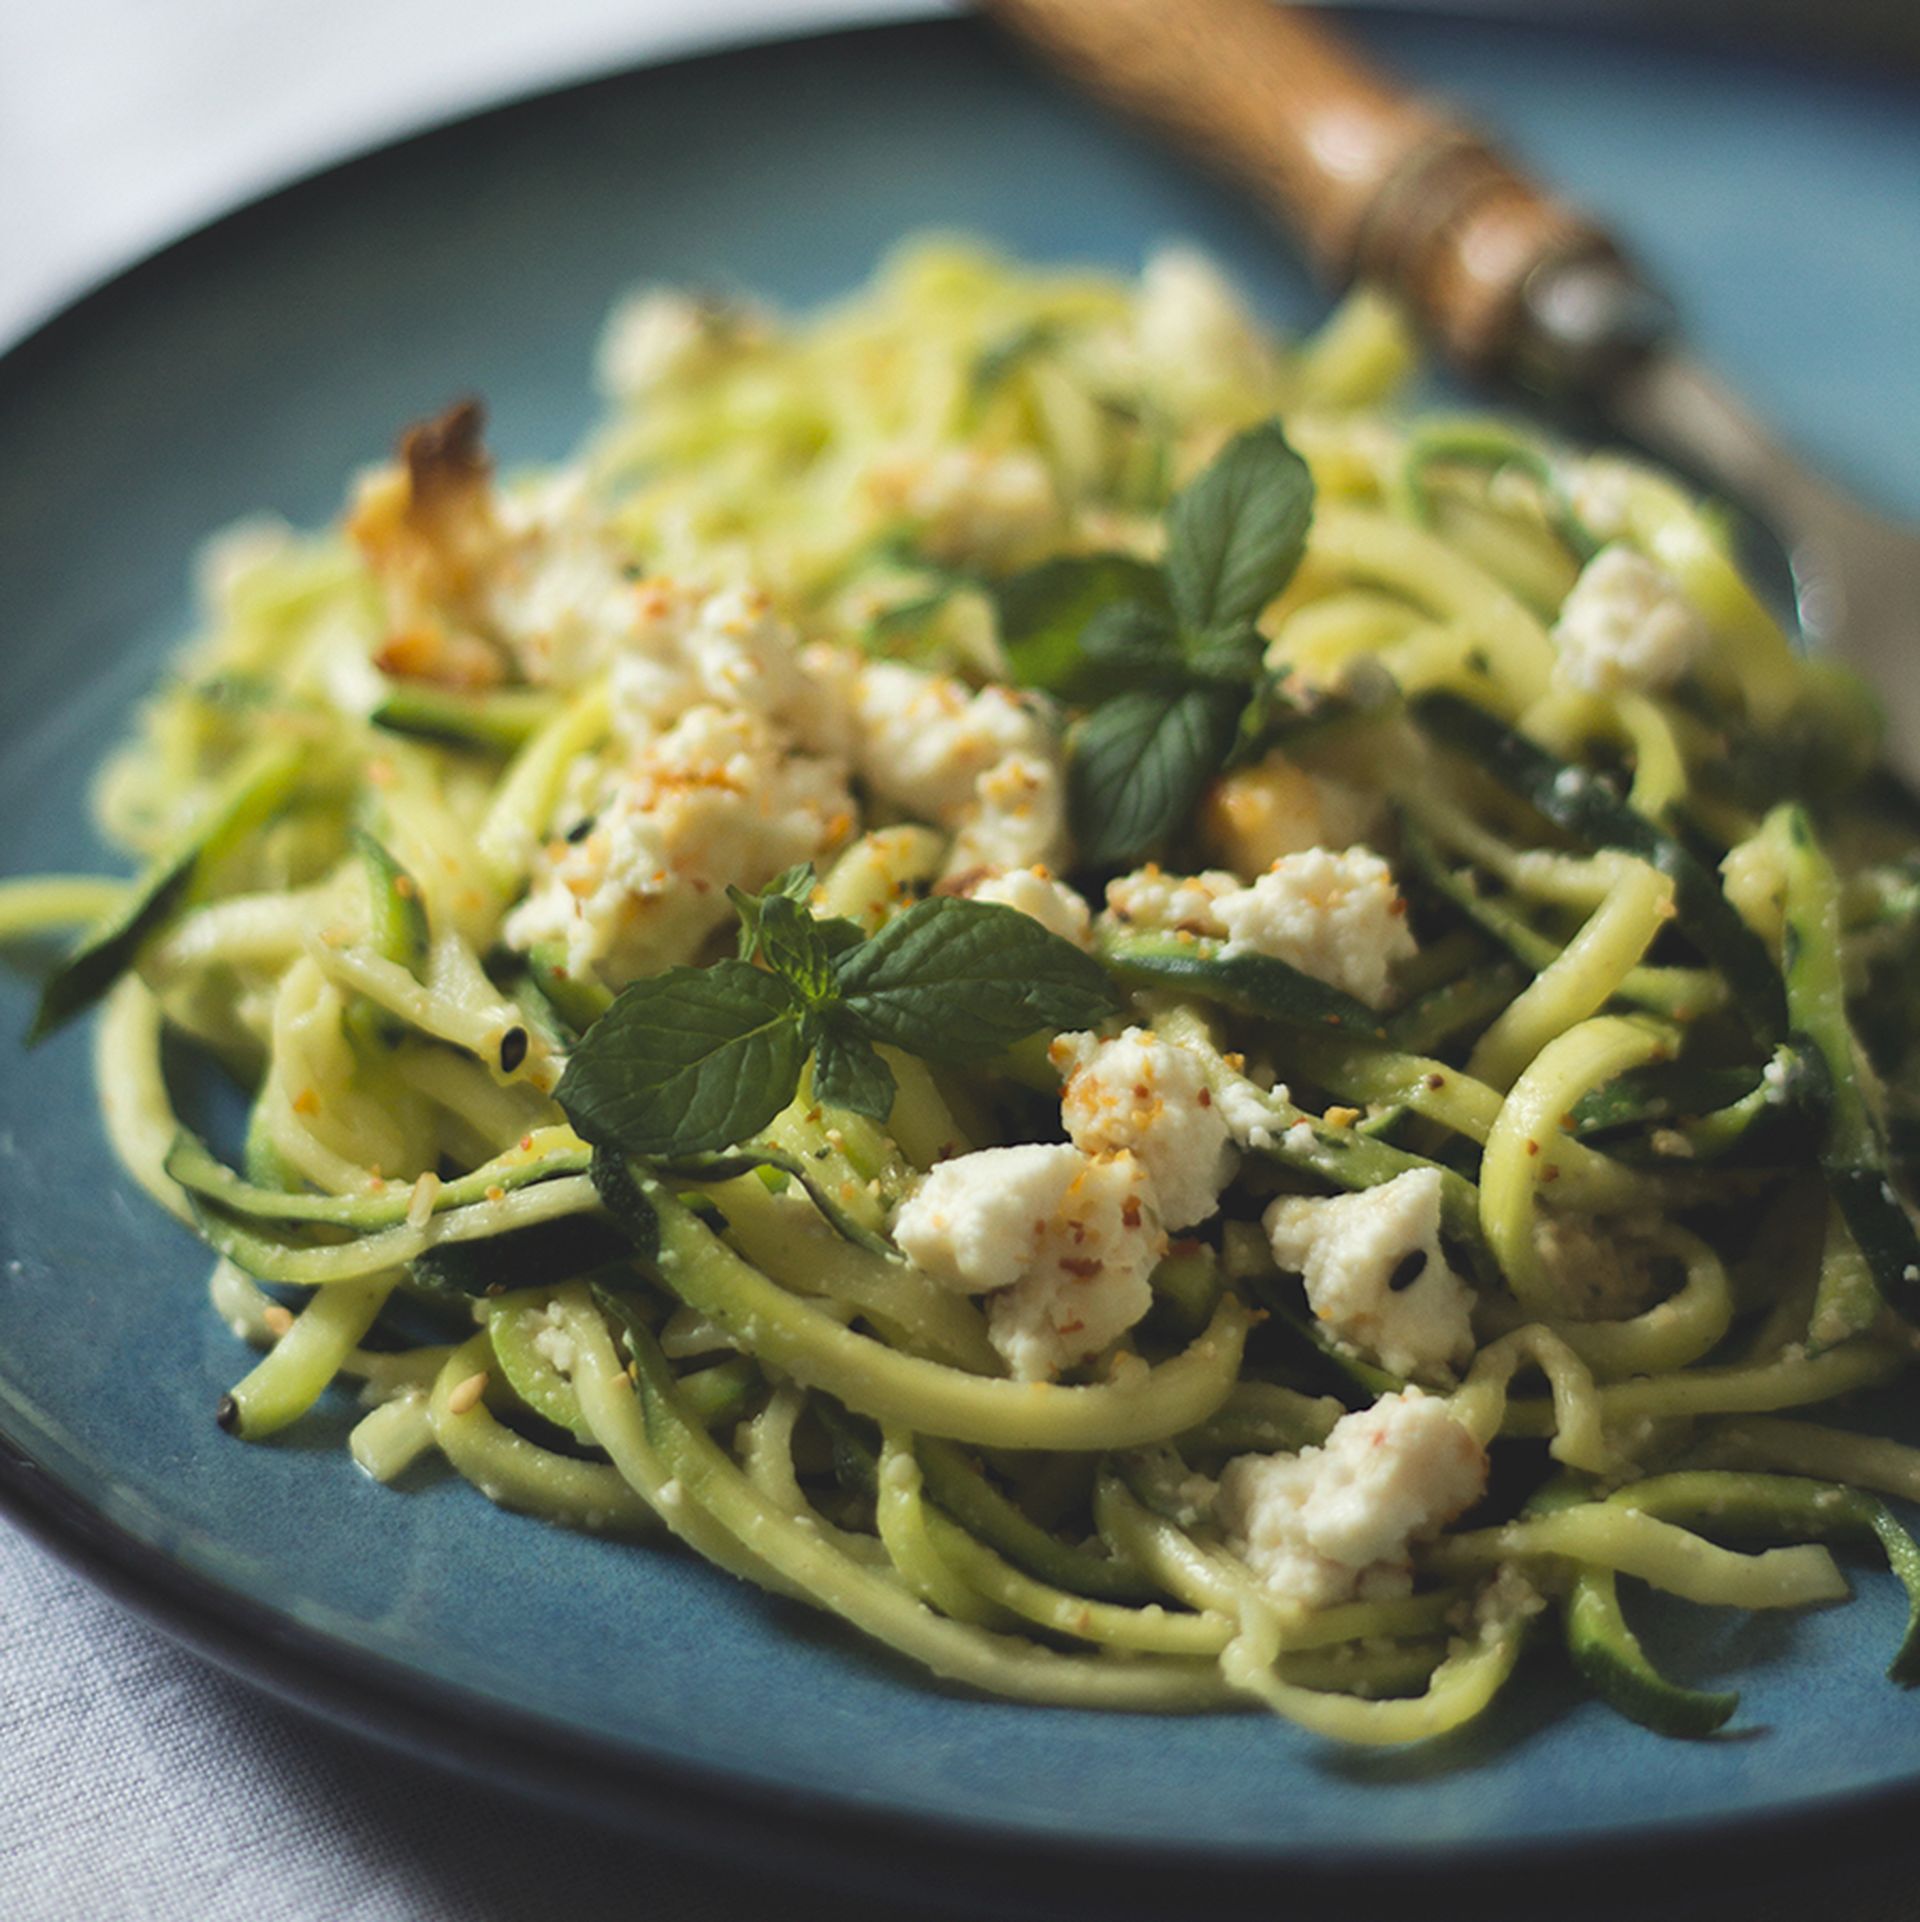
(1168, 660)
(699, 1059)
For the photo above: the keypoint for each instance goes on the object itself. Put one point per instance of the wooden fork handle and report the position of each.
(1379, 185)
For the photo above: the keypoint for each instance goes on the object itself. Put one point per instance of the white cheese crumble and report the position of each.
(716, 799)
(1060, 1241)
(1337, 917)
(551, 1342)
(663, 334)
(1375, 1273)
(1335, 1523)
(1151, 898)
(971, 505)
(1034, 892)
(1192, 333)
(1147, 1096)
(687, 648)
(987, 765)
(1626, 627)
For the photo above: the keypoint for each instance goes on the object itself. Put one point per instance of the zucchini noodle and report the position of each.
(644, 903)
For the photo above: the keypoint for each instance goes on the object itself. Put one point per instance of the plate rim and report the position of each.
(832, 1839)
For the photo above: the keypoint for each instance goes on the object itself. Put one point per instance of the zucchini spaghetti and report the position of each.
(1037, 970)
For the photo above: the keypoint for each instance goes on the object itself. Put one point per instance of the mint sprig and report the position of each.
(1167, 661)
(700, 1059)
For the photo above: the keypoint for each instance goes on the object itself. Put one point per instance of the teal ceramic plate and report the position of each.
(256, 365)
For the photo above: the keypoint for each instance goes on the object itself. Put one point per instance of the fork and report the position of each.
(1511, 283)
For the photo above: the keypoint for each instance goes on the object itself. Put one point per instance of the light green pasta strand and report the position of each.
(1372, 546)
(43, 904)
(243, 931)
(767, 1447)
(134, 1104)
(1582, 978)
(792, 1242)
(1140, 1406)
(530, 789)
(1672, 1334)
(1810, 1448)
(1662, 1554)
(1530, 1126)
(913, 1548)
(1759, 1388)
(477, 1022)
(388, 1441)
(875, 877)
(1567, 719)
(351, 1261)
(817, 1572)
(1152, 1629)
(1482, 1406)
(298, 1368)
(514, 1473)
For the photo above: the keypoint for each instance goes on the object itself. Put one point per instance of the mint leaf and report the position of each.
(847, 1073)
(1230, 658)
(791, 884)
(1237, 532)
(1139, 764)
(1133, 644)
(691, 1060)
(1044, 613)
(962, 980)
(792, 943)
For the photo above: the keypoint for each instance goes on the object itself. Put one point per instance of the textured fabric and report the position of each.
(138, 1784)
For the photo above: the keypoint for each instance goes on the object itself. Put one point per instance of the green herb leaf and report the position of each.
(1139, 764)
(1133, 645)
(790, 884)
(792, 944)
(794, 885)
(1236, 534)
(691, 1060)
(1044, 613)
(962, 980)
(848, 1073)
(1231, 658)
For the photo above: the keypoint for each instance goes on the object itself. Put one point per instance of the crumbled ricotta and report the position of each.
(987, 765)
(717, 798)
(1061, 1242)
(1194, 337)
(1626, 627)
(1152, 1098)
(1337, 917)
(663, 334)
(1335, 1523)
(551, 1342)
(1184, 903)
(1376, 1275)
(1034, 892)
(971, 506)
(686, 648)
(1600, 491)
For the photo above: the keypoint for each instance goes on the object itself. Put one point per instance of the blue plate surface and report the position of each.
(257, 365)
